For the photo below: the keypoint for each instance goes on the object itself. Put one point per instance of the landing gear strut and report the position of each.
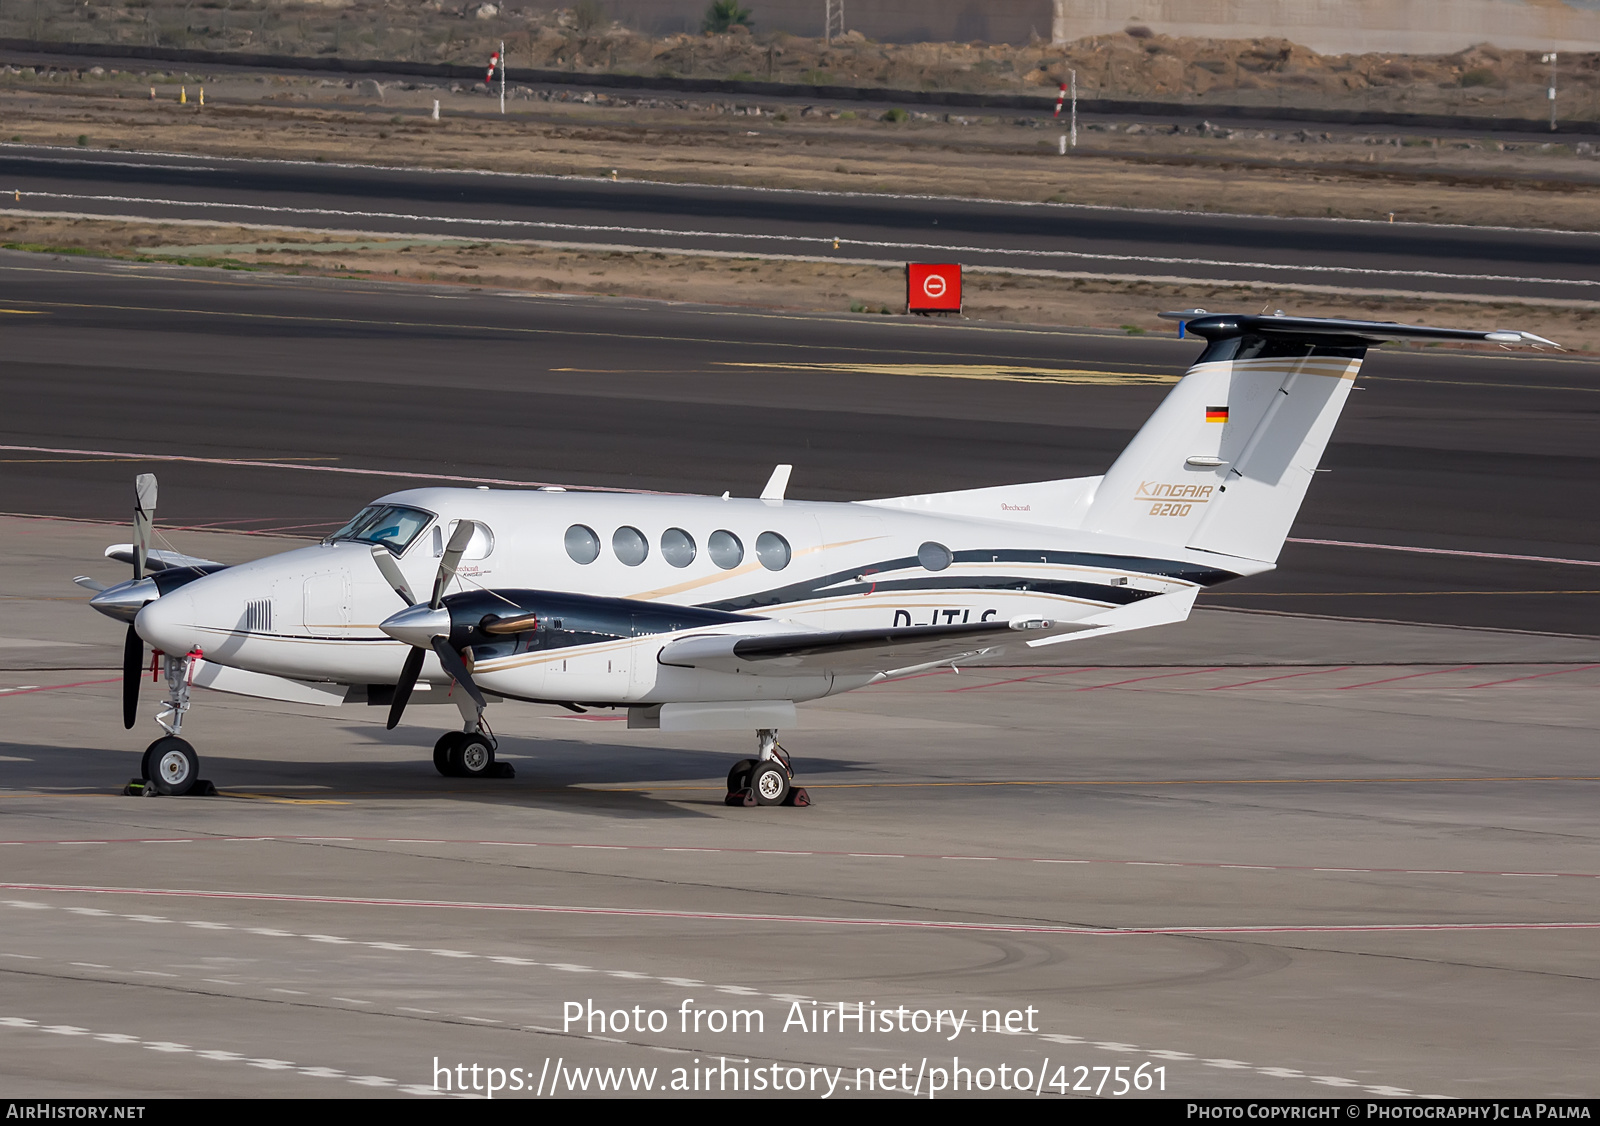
(469, 753)
(170, 765)
(767, 779)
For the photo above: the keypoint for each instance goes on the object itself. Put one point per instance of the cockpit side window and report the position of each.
(393, 525)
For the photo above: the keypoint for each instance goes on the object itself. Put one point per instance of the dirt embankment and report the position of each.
(1257, 71)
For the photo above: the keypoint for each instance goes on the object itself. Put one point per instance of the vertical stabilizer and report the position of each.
(1226, 459)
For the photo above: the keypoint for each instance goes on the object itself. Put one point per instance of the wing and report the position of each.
(159, 560)
(861, 651)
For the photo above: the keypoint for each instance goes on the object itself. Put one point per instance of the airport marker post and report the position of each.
(497, 61)
(1061, 97)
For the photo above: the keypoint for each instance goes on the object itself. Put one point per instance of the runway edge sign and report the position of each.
(933, 287)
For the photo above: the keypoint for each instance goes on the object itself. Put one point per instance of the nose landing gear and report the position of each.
(170, 765)
(767, 779)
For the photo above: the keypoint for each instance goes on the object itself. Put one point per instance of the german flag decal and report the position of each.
(1216, 414)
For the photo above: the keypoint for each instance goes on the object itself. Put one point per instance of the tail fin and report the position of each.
(1225, 461)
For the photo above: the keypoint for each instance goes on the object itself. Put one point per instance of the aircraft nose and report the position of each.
(169, 623)
(124, 601)
(418, 625)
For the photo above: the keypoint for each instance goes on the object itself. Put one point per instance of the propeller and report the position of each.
(144, 516)
(426, 627)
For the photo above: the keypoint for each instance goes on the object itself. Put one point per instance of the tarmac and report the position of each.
(1269, 855)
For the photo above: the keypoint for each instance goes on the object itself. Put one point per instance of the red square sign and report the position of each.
(933, 288)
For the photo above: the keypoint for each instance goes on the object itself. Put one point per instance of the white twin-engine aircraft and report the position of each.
(716, 613)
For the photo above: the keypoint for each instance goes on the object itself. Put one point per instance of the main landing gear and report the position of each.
(767, 779)
(469, 753)
(170, 765)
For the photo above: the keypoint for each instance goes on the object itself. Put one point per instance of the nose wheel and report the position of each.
(170, 766)
(767, 779)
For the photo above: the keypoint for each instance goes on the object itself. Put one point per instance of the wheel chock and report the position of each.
(143, 788)
(500, 770)
(797, 797)
(745, 797)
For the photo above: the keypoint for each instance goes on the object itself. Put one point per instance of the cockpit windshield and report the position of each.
(392, 525)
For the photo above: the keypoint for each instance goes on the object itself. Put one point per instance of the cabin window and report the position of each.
(934, 556)
(583, 546)
(726, 550)
(773, 551)
(677, 547)
(630, 546)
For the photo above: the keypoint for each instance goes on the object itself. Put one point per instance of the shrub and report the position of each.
(1482, 76)
(724, 15)
(895, 116)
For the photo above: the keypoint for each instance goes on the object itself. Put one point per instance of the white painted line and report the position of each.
(118, 155)
(124, 455)
(1452, 551)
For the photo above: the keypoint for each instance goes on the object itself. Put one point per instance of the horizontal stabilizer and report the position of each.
(1218, 326)
(1163, 610)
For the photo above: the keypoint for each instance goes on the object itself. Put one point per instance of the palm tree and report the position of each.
(724, 14)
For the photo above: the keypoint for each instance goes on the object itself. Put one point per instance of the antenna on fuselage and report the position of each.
(778, 483)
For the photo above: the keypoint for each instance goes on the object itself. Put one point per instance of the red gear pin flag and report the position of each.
(1061, 97)
(494, 61)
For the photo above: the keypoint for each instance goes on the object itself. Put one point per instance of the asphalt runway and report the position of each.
(1360, 255)
(1363, 878)
(349, 387)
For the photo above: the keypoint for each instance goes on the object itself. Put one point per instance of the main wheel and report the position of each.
(739, 776)
(770, 782)
(174, 766)
(441, 752)
(472, 756)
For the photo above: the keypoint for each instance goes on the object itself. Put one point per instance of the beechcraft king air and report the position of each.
(716, 613)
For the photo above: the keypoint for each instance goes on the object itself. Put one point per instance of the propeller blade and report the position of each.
(456, 667)
(144, 516)
(451, 559)
(132, 670)
(391, 573)
(90, 584)
(408, 681)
